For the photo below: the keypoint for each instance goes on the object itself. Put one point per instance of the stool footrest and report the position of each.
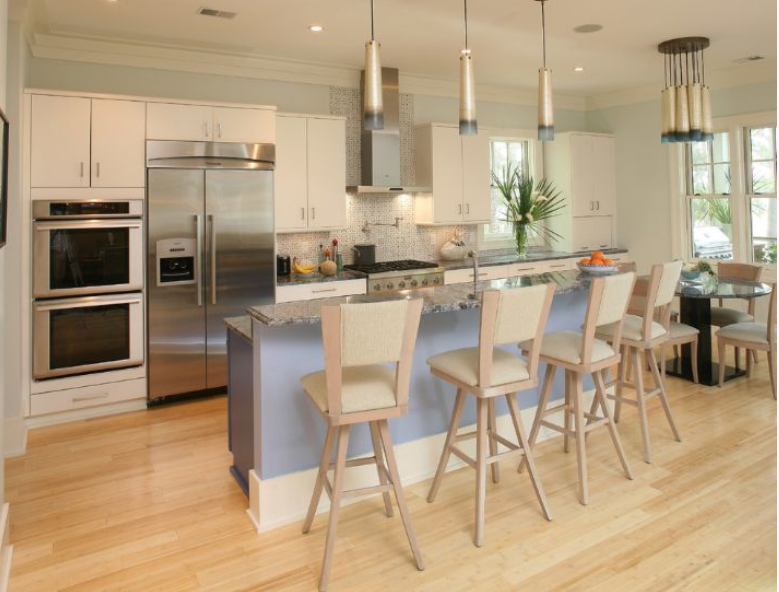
(462, 456)
(362, 491)
(555, 427)
(358, 462)
(507, 443)
(596, 424)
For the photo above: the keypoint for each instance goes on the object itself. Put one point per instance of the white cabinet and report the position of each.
(169, 121)
(59, 150)
(300, 292)
(118, 143)
(458, 169)
(83, 142)
(310, 182)
(492, 272)
(582, 167)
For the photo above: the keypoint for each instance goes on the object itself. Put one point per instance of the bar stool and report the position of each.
(580, 354)
(643, 334)
(754, 337)
(488, 372)
(680, 334)
(722, 316)
(357, 386)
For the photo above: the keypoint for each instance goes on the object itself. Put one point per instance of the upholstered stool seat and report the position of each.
(752, 332)
(722, 317)
(676, 330)
(632, 329)
(362, 388)
(567, 347)
(463, 365)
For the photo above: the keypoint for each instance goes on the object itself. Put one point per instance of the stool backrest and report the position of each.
(661, 289)
(513, 316)
(771, 327)
(606, 305)
(740, 271)
(369, 333)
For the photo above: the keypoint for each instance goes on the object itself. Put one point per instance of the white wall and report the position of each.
(643, 183)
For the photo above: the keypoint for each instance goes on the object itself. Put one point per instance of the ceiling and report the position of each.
(424, 37)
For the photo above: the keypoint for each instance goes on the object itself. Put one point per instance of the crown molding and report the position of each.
(109, 52)
(750, 73)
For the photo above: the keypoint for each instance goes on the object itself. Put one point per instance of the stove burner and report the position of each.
(387, 266)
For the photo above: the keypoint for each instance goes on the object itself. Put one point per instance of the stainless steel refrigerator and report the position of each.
(210, 255)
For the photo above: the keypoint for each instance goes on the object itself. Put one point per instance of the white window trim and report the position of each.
(679, 206)
(535, 166)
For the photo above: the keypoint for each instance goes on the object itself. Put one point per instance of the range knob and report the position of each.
(376, 287)
(413, 283)
(424, 282)
(436, 280)
(390, 286)
(401, 284)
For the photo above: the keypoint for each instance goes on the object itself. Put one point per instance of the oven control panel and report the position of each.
(405, 282)
(176, 261)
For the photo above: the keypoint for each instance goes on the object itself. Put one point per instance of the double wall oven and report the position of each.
(88, 286)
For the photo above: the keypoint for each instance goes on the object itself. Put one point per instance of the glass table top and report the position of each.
(710, 286)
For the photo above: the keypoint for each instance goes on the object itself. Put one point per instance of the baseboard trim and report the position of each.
(280, 501)
(86, 413)
(14, 437)
(6, 553)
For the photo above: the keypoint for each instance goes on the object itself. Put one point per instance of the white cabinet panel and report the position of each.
(591, 233)
(60, 141)
(118, 143)
(256, 126)
(300, 292)
(166, 121)
(582, 176)
(447, 175)
(476, 178)
(326, 163)
(604, 180)
(291, 180)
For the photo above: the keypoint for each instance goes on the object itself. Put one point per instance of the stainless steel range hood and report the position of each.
(381, 148)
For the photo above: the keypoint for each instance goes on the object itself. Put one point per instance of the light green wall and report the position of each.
(643, 177)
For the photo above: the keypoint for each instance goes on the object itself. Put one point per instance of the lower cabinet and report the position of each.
(299, 292)
(87, 396)
(591, 233)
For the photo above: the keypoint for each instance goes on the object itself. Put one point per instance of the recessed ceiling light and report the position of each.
(591, 28)
(316, 28)
(578, 69)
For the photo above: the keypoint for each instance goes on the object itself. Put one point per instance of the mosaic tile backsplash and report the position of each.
(409, 241)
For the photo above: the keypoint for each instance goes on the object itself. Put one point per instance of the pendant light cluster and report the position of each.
(373, 101)
(468, 124)
(686, 103)
(545, 108)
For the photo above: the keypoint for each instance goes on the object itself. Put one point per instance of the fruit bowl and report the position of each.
(597, 269)
(690, 275)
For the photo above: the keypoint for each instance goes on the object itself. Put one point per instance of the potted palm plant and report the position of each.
(528, 205)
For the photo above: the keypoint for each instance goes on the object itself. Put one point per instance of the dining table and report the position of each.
(695, 298)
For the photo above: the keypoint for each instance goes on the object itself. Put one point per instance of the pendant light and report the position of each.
(468, 124)
(545, 109)
(373, 102)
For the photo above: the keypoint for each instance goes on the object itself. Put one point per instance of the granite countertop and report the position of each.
(317, 278)
(241, 326)
(532, 256)
(438, 299)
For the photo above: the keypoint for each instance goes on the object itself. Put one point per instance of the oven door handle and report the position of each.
(96, 224)
(198, 266)
(89, 301)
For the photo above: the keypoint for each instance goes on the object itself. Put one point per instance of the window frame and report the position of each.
(535, 168)
(749, 182)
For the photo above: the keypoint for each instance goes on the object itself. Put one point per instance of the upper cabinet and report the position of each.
(168, 121)
(83, 142)
(310, 175)
(582, 166)
(458, 169)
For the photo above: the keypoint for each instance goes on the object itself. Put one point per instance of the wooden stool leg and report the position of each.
(749, 363)
(676, 352)
(493, 430)
(772, 369)
(624, 364)
(660, 383)
(721, 355)
(324, 463)
(600, 394)
(737, 353)
(389, 453)
(641, 402)
(447, 451)
(581, 451)
(542, 403)
(380, 466)
(662, 361)
(694, 360)
(531, 464)
(481, 469)
(754, 355)
(568, 409)
(338, 482)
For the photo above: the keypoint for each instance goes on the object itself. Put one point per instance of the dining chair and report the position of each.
(489, 372)
(581, 353)
(722, 316)
(751, 336)
(365, 380)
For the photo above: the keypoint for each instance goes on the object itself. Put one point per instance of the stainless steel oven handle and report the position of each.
(91, 301)
(96, 224)
(199, 241)
(212, 249)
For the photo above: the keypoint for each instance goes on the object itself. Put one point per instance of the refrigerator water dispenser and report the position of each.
(176, 261)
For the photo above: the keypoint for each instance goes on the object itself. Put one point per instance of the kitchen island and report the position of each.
(276, 434)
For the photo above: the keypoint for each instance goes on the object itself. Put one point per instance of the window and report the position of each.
(708, 190)
(761, 190)
(504, 153)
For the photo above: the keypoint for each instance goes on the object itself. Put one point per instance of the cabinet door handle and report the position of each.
(592, 205)
(219, 130)
(467, 208)
(205, 129)
(525, 269)
(313, 213)
(97, 170)
(88, 397)
(302, 213)
(481, 273)
(81, 170)
(597, 205)
(323, 290)
(556, 266)
(460, 209)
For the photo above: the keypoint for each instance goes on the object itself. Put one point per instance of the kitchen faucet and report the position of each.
(474, 255)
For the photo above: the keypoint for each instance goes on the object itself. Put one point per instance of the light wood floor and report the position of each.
(144, 502)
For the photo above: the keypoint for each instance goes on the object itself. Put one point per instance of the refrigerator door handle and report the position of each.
(199, 235)
(212, 250)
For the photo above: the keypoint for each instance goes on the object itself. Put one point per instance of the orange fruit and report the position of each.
(596, 261)
(597, 254)
(584, 261)
(607, 261)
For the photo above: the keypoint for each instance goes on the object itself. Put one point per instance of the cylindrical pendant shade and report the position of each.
(468, 125)
(668, 102)
(545, 108)
(373, 101)
(682, 115)
(695, 111)
(707, 126)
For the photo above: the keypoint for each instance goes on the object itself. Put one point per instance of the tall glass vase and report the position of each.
(520, 235)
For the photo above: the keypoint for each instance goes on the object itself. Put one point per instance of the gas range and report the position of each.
(408, 274)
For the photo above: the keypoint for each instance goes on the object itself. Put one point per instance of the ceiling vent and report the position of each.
(205, 11)
(752, 58)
